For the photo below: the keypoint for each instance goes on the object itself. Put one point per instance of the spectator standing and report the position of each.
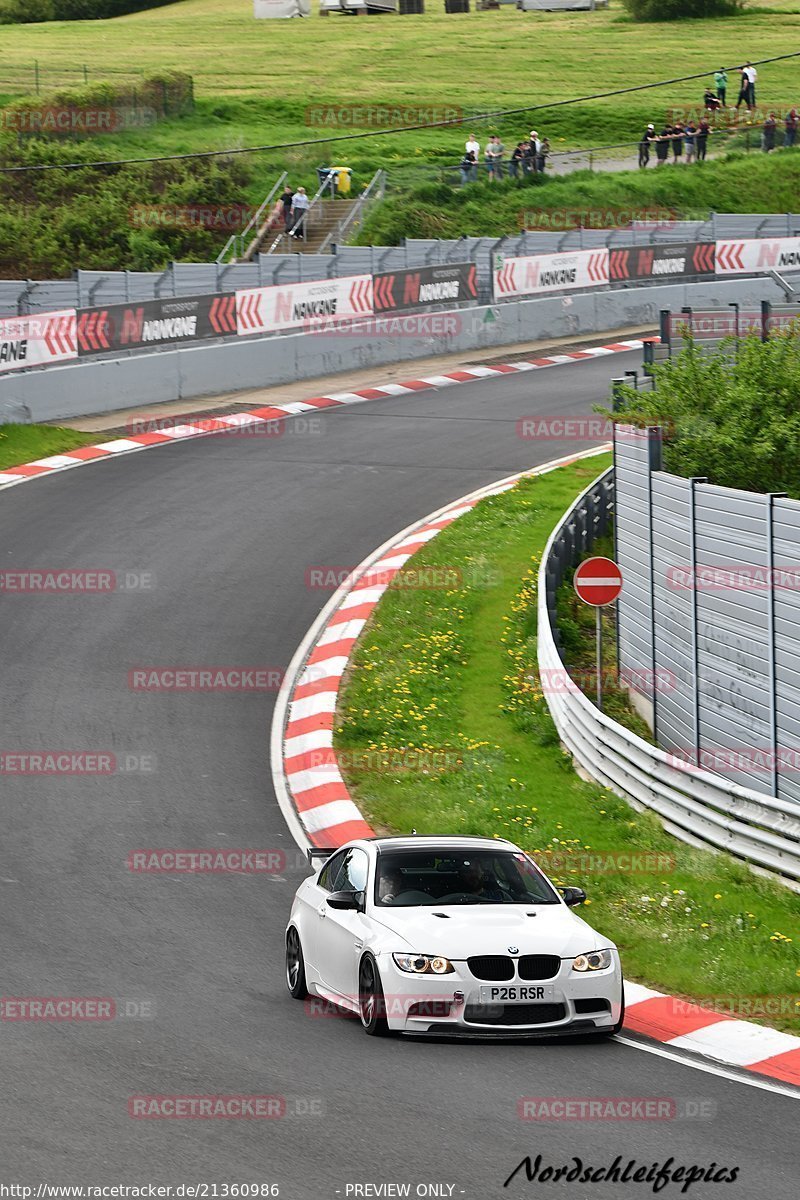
(751, 75)
(300, 206)
(533, 150)
(768, 135)
(744, 85)
(677, 141)
(516, 165)
(703, 130)
(790, 127)
(495, 151)
(542, 153)
(473, 146)
(662, 144)
(721, 84)
(286, 203)
(644, 145)
(467, 166)
(689, 135)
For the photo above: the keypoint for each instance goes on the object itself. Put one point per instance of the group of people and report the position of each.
(691, 139)
(288, 211)
(527, 158)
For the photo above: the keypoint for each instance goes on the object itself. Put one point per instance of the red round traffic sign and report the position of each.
(598, 581)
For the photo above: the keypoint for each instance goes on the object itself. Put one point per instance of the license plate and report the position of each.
(516, 994)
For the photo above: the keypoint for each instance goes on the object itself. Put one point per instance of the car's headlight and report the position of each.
(420, 964)
(593, 960)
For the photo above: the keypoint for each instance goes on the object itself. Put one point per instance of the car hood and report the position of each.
(491, 929)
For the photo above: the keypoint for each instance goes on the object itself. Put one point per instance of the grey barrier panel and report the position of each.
(673, 617)
(725, 646)
(734, 652)
(632, 522)
(786, 602)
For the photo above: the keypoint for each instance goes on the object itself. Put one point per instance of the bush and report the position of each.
(734, 419)
(679, 10)
(27, 12)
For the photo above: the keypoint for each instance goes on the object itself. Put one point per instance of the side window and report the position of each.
(330, 871)
(353, 874)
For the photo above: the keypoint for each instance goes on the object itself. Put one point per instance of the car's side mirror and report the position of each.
(573, 896)
(346, 900)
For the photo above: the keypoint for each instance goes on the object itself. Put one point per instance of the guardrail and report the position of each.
(697, 806)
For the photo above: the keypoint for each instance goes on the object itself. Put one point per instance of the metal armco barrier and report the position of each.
(695, 805)
(412, 291)
(674, 260)
(155, 322)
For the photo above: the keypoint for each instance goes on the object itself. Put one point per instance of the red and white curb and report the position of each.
(252, 418)
(685, 1026)
(321, 812)
(306, 707)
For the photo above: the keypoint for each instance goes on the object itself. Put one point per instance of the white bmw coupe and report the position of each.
(450, 935)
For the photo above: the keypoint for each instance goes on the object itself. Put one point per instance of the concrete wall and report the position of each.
(191, 372)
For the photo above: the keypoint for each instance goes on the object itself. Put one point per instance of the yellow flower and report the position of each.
(717, 895)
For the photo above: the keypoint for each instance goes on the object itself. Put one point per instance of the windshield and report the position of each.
(405, 878)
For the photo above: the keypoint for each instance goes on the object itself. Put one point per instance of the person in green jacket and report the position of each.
(721, 84)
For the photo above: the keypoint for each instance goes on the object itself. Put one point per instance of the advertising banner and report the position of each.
(173, 319)
(303, 305)
(541, 273)
(37, 340)
(669, 261)
(758, 254)
(409, 291)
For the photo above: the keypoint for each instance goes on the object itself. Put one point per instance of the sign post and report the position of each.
(598, 582)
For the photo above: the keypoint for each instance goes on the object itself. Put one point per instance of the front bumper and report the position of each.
(452, 1004)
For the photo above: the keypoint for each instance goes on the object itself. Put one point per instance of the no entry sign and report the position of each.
(598, 581)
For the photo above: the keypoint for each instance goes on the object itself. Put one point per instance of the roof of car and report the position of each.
(428, 842)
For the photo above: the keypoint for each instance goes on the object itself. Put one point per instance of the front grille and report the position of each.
(592, 1005)
(491, 966)
(514, 1014)
(539, 966)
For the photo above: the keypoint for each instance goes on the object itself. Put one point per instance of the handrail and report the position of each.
(239, 238)
(696, 805)
(355, 216)
(311, 211)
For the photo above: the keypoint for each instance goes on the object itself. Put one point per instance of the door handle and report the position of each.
(323, 910)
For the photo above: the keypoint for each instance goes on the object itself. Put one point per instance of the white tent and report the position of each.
(281, 8)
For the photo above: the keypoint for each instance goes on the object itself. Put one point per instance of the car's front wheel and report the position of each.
(372, 1005)
(295, 966)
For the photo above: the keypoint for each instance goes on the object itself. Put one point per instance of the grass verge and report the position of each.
(453, 670)
(25, 443)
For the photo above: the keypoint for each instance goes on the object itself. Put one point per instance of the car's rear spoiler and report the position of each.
(322, 852)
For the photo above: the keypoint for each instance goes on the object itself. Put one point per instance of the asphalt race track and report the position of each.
(227, 527)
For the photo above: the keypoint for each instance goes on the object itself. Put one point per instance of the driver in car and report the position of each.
(473, 881)
(390, 885)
